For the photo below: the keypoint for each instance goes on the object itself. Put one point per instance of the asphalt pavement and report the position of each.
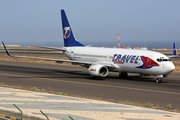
(76, 80)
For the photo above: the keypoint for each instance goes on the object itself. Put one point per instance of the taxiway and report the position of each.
(76, 80)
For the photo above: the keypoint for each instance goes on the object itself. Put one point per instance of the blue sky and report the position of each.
(93, 22)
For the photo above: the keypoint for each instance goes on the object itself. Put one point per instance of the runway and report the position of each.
(76, 80)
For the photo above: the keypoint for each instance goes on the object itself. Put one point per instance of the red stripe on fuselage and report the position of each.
(148, 62)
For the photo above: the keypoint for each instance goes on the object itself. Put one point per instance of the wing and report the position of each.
(82, 63)
(50, 59)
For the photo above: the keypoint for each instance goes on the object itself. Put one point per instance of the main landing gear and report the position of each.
(123, 75)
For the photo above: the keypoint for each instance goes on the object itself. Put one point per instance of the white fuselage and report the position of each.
(125, 60)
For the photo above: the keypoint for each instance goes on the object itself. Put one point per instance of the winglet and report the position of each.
(6, 49)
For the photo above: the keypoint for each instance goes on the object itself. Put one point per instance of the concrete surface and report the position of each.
(59, 107)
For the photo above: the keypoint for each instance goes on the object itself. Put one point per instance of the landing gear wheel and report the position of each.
(123, 75)
(159, 80)
(93, 77)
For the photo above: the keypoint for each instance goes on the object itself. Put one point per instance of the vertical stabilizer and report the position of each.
(174, 49)
(69, 40)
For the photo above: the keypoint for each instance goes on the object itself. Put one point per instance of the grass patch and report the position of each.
(148, 104)
(168, 107)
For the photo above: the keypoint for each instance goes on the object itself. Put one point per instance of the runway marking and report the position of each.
(140, 89)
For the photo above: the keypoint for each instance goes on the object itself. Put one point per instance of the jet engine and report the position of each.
(98, 70)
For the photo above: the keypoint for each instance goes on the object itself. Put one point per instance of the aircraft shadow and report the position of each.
(137, 78)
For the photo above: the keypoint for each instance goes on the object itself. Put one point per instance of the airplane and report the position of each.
(101, 61)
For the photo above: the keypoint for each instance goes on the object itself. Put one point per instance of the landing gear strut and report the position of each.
(123, 75)
(159, 80)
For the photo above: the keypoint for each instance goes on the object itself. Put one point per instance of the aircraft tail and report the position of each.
(174, 49)
(69, 39)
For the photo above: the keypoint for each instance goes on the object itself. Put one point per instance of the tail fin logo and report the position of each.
(67, 32)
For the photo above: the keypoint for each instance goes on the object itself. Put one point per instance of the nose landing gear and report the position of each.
(159, 80)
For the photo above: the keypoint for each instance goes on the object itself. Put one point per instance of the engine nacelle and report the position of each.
(98, 70)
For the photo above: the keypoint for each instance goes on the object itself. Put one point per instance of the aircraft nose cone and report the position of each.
(170, 67)
(173, 68)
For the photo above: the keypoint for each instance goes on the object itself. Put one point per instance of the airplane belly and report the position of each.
(129, 68)
(150, 71)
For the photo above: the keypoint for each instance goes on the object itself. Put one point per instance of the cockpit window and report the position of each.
(160, 60)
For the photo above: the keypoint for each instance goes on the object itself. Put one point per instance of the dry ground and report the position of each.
(27, 60)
